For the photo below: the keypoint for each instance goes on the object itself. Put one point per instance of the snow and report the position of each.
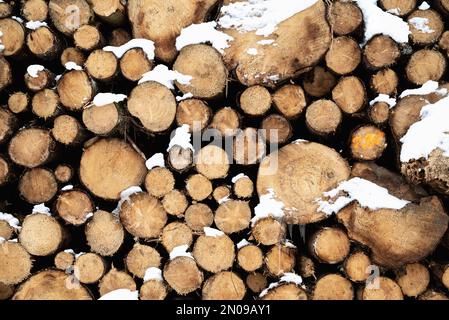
(427, 134)
(238, 177)
(378, 21)
(157, 160)
(424, 6)
(180, 251)
(288, 244)
(146, 45)
(121, 294)
(427, 88)
(41, 208)
(33, 25)
(261, 16)
(268, 207)
(300, 141)
(181, 138)
(124, 196)
(18, 19)
(288, 277)
(70, 251)
(211, 232)
(274, 77)
(89, 215)
(102, 99)
(421, 24)
(366, 193)
(67, 187)
(203, 33)
(252, 51)
(243, 243)
(12, 240)
(265, 42)
(185, 96)
(384, 98)
(395, 11)
(34, 69)
(72, 66)
(153, 274)
(224, 199)
(77, 255)
(165, 76)
(12, 221)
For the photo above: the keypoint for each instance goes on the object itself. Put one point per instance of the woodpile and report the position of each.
(264, 149)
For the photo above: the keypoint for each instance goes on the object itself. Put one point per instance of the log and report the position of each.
(104, 233)
(63, 173)
(319, 82)
(68, 131)
(433, 295)
(180, 159)
(18, 101)
(250, 258)
(444, 42)
(434, 23)
(226, 121)
(306, 267)
(118, 37)
(384, 81)
(286, 291)
(214, 253)
(103, 120)
(195, 113)
(198, 187)
(381, 51)
(279, 260)
(68, 15)
(38, 185)
(45, 104)
(225, 285)
(116, 279)
(140, 258)
(5, 73)
(5, 9)
(43, 43)
(64, 260)
(357, 266)
(382, 289)
(425, 65)
(233, 216)
(134, 64)
(13, 37)
(277, 129)
(159, 181)
(368, 143)
(333, 287)
(413, 279)
(75, 89)
(89, 268)
(183, 275)
(212, 162)
(102, 65)
(110, 11)
(249, 146)
(153, 290)
(399, 7)
(256, 282)
(344, 55)
(88, 38)
(198, 216)
(379, 113)
(440, 271)
(8, 124)
(243, 188)
(34, 10)
(268, 231)
(74, 206)
(176, 234)
(175, 203)
(43, 79)
(323, 117)
(329, 245)
(221, 193)
(290, 100)
(344, 17)
(72, 54)
(255, 101)
(349, 94)
(15, 263)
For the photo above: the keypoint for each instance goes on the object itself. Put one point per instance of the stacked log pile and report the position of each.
(235, 149)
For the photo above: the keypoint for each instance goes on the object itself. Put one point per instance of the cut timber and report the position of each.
(8, 124)
(15, 263)
(349, 94)
(323, 117)
(153, 290)
(277, 129)
(226, 121)
(357, 266)
(6, 231)
(381, 51)
(104, 233)
(256, 282)
(109, 166)
(440, 271)
(413, 279)
(433, 295)
(45, 104)
(233, 216)
(198, 216)
(102, 120)
(51, 285)
(382, 288)
(134, 64)
(194, 113)
(162, 21)
(333, 287)
(154, 105)
(306, 267)
(140, 258)
(18, 101)
(433, 22)
(43, 43)
(444, 42)
(143, 216)
(6, 291)
(319, 82)
(180, 159)
(175, 202)
(368, 143)
(279, 260)
(68, 15)
(102, 65)
(425, 65)
(159, 181)
(243, 187)
(297, 177)
(5, 9)
(250, 258)
(301, 41)
(249, 146)
(89, 268)
(38, 185)
(269, 231)
(183, 275)
(72, 54)
(119, 37)
(34, 10)
(63, 173)
(176, 234)
(329, 245)
(221, 193)
(225, 285)
(31, 147)
(212, 162)
(5, 73)
(13, 36)
(290, 100)
(114, 280)
(286, 291)
(64, 260)
(198, 187)
(68, 131)
(205, 65)
(74, 206)
(214, 253)
(414, 230)
(75, 89)
(111, 11)
(345, 17)
(344, 55)
(88, 37)
(385, 81)
(43, 80)
(379, 113)
(255, 101)
(444, 5)
(399, 7)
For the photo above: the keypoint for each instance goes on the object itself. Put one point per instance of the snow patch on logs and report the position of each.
(157, 160)
(165, 76)
(124, 196)
(211, 232)
(268, 207)
(67, 187)
(203, 33)
(34, 69)
(33, 25)
(243, 243)
(223, 200)
(180, 251)
(288, 277)
(11, 240)
(146, 45)
(12, 221)
(366, 193)
(427, 88)
(378, 21)
(261, 16)
(384, 98)
(424, 6)
(181, 138)
(185, 96)
(18, 19)
(265, 42)
(121, 294)
(238, 177)
(41, 208)
(72, 66)
(421, 24)
(102, 99)
(153, 274)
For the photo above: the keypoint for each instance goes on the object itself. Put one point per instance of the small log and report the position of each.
(233, 216)
(195, 113)
(175, 203)
(290, 100)
(425, 65)
(140, 258)
(278, 129)
(368, 143)
(329, 245)
(153, 290)
(433, 22)
(183, 275)
(444, 42)
(243, 187)
(63, 173)
(102, 65)
(68, 15)
(180, 159)
(221, 193)
(102, 120)
(15, 263)
(225, 285)
(344, 17)
(112, 12)
(6, 231)
(64, 260)
(38, 185)
(214, 254)
(249, 146)
(250, 258)
(72, 54)
(333, 287)
(440, 271)
(379, 113)
(159, 181)
(104, 233)
(45, 104)
(357, 265)
(18, 102)
(349, 94)
(212, 162)
(75, 89)
(5, 9)
(198, 187)
(43, 43)
(286, 291)
(119, 37)
(34, 10)
(279, 260)
(89, 268)
(176, 234)
(384, 81)
(44, 79)
(198, 216)
(256, 282)
(382, 288)
(323, 117)
(88, 38)
(306, 267)
(344, 55)
(399, 7)
(226, 121)
(8, 124)
(433, 295)
(381, 51)
(134, 64)
(413, 279)
(68, 131)
(74, 206)
(268, 231)
(319, 82)
(13, 37)
(114, 280)
(5, 73)
(255, 101)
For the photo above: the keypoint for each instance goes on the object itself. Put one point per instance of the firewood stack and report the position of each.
(185, 149)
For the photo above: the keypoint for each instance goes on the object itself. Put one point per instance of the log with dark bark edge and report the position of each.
(75, 89)
(221, 193)
(323, 117)
(333, 287)
(18, 101)
(183, 275)
(44, 79)
(6, 231)
(214, 254)
(250, 258)
(212, 162)
(243, 188)
(441, 272)
(225, 285)
(116, 279)
(38, 185)
(319, 82)
(5, 73)
(279, 260)
(367, 143)
(227, 121)
(140, 258)
(153, 290)
(382, 288)
(103, 120)
(134, 63)
(180, 159)
(72, 54)
(425, 65)
(306, 267)
(43, 43)
(112, 12)
(154, 105)
(198, 216)
(45, 104)
(379, 113)
(68, 15)
(175, 203)
(89, 268)
(15, 263)
(176, 234)
(51, 285)
(74, 206)
(5, 9)
(345, 17)
(249, 146)
(88, 38)
(413, 279)
(104, 233)
(193, 112)
(159, 181)
(349, 94)
(109, 166)
(398, 7)
(118, 37)
(64, 260)
(255, 100)
(357, 266)
(232, 216)
(209, 74)
(34, 10)
(289, 58)
(268, 231)
(384, 81)
(434, 22)
(381, 51)
(329, 245)
(13, 38)
(256, 282)
(68, 131)
(290, 100)
(63, 173)
(344, 55)
(102, 65)
(284, 171)
(198, 187)
(276, 129)
(8, 124)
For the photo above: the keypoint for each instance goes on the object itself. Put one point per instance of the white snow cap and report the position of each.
(224, 199)
(124, 196)
(102, 99)
(2, 47)
(265, 42)
(384, 98)
(153, 274)
(67, 187)
(180, 251)
(34, 69)
(203, 33)
(185, 96)
(268, 207)
(429, 133)
(146, 45)
(252, 51)
(238, 177)
(378, 21)
(72, 66)
(366, 193)
(12, 221)
(165, 76)
(424, 6)
(288, 277)
(211, 232)
(33, 25)
(157, 160)
(243, 243)
(289, 244)
(69, 251)
(41, 208)
(427, 88)
(261, 16)
(121, 294)
(18, 19)
(181, 138)
(421, 24)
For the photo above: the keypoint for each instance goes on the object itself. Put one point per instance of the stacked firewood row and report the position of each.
(276, 166)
